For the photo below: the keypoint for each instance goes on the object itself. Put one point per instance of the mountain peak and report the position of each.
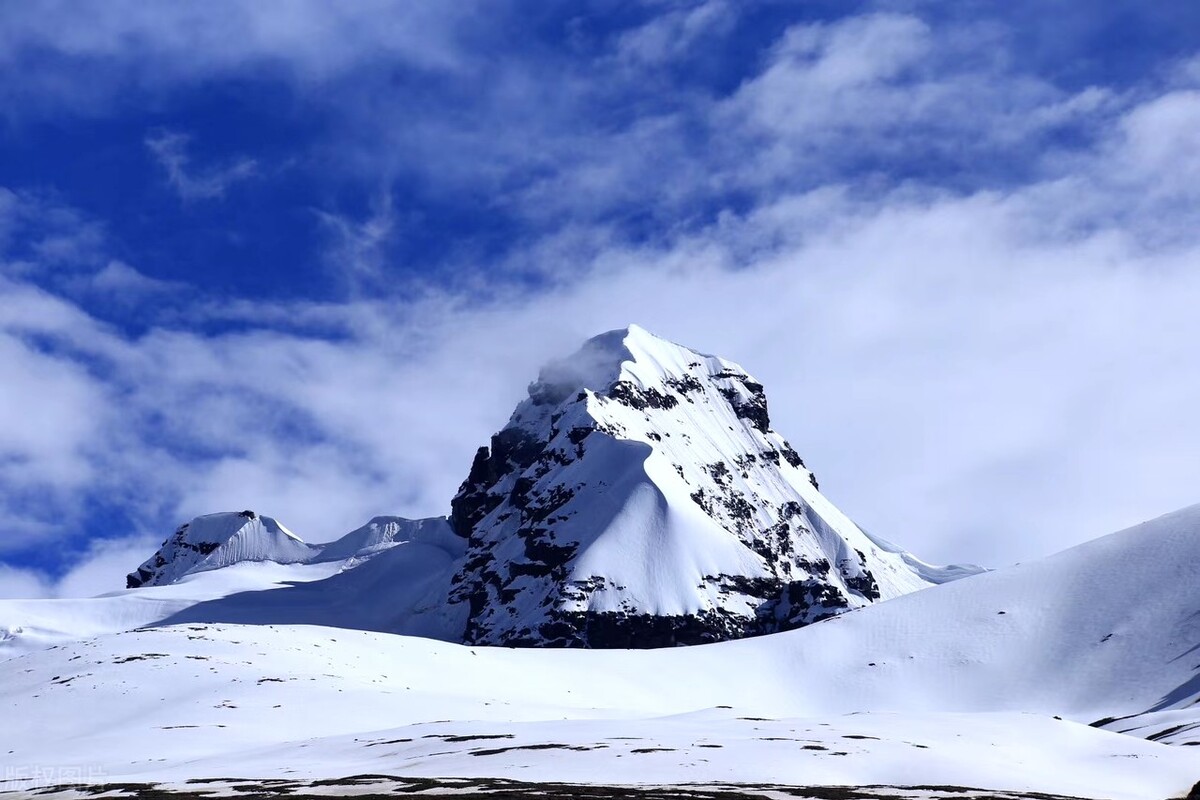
(635, 367)
(640, 497)
(218, 540)
(625, 353)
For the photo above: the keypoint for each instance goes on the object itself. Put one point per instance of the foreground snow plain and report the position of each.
(958, 685)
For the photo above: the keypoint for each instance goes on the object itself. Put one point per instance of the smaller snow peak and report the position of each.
(217, 540)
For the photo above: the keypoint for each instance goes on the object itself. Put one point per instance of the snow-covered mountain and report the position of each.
(639, 497)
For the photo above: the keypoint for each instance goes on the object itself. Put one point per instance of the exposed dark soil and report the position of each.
(390, 786)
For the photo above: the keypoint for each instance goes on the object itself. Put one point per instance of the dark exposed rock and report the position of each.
(753, 411)
(641, 399)
(643, 631)
(135, 579)
(805, 602)
(177, 542)
(791, 456)
(511, 451)
(685, 384)
(864, 585)
(472, 503)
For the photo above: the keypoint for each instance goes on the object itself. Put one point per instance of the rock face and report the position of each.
(640, 498)
(219, 540)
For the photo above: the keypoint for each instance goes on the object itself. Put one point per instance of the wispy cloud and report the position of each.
(169, 149)
(672, 33)
(118, 279)
(108, 50)
(358, 248)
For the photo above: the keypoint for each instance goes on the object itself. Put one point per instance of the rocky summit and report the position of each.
(640, 498)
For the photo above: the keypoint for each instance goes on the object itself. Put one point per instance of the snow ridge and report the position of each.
(214, 541)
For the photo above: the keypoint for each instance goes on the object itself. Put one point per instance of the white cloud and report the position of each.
(99, 569)
(23, 583)
(989, 419)
(960, 382)
(103, 566)
(672, 33)
(1159, 142)
(358, 248)
(118, 279)
(50, 413)
(169, 149)
(889, 92)
(104, 49)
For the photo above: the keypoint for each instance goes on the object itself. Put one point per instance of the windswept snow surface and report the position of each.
(956, 685)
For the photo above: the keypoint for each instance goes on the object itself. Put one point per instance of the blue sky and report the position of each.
(304, 259)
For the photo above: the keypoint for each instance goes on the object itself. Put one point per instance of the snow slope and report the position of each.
(392, 574)
(956, 685)
(640, 498)
(400, 587)
(28, 625)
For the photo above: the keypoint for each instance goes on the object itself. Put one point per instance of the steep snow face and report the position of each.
(219, 540)
(640, 498)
